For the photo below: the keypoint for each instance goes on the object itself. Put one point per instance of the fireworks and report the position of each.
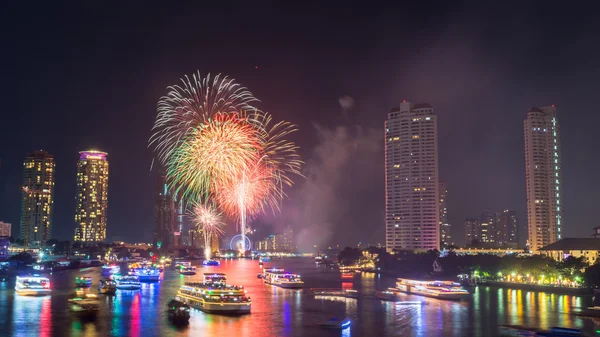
(207, 219)
(186, 107)
(217, 146)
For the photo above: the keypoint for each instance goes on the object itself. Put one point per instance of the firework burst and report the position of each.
(186, 107)
(209, 220)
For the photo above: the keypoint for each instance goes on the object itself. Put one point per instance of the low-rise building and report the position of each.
(588, 248)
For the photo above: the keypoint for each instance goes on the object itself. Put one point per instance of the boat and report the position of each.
(215, 298)
(391, 294)
(83, 282)
(180, 264)
(265, 259)
(281, 278)
(147, 274)
(318, 259)
(109, 269)
(445, 290)
(335, 323)
(107, 287)
(128, 282)
(86, 306)
(178, 312)
(347, 293)
(211, 263)
(32, 285)
(187, 270)
(348, 276)
(216, 278)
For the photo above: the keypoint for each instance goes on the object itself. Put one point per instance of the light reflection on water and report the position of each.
(286, 312)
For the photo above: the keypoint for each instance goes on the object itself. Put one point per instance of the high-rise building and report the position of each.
(5, 229)
(508, 227)
(166, 213)
(445, 228)
(488, 228)
(92, 197)
(37, 198)
(544, 177)
(471, 231)
(411, 178)
(288, 240)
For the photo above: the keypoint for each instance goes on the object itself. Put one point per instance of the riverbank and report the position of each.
(537, 287)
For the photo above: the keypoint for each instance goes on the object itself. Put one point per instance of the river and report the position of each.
(283, 312)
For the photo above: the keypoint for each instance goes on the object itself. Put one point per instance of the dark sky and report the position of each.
(89, 73)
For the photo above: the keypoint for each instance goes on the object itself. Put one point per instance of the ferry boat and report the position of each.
(346, 293)
(187, 270)
(445, 290)
(181, 264)
(32, 285)
(83, 282)
(215, 298)
(217, 278)
(211, 263)
(110, 269)
(85, 306)
(281, 278)
(107, 287)
(129, 282)
(147, 274)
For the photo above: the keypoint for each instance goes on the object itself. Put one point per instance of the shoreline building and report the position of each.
(37, 200)
(412, 198)
(508, 227)
(445, 228)
(92, 197)
(167, 220)
(543, 177)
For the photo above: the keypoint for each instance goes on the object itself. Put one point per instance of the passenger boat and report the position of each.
(181, 264)
(109, 269)
(217, 278)
(32, 285)
(335, 323)
(83, 282)
(107, 287)
(187, 270)
(445, 290)
(215, 298)
(347, 293)
(85, 306)
(147, 274)
(391, 294)
(178, 312)
(129, 282)
(211, 263)
(281, 278)
(348, 276)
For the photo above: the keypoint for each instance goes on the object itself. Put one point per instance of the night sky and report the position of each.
(88, 75)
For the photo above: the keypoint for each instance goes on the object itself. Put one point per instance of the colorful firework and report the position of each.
(212, 154)
(185, 108)
(209, 220)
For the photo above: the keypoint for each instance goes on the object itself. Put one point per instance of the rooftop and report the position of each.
(574, 244)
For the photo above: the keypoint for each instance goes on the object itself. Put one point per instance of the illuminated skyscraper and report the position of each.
(544, 177)
(411, 178)
(167, 219)
(445, 229)
(37, 198)
(92, 196)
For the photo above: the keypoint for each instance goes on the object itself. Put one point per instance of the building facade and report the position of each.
(471, 231)
(5, 229)
(508, 229)
(543, 175)
(488, 228)
(37, 198)
(445, 228)
(92, 197)
(411, 178)
(167, 224)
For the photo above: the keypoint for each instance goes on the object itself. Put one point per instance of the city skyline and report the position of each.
(334, 80)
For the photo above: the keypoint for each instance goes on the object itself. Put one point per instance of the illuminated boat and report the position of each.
(32, 285)
(83, 282)
(129, 282)
(281, 278)
(215, 298)
(335, 323)
(85, 306)
(107, 287)
(346, 293)
(348, 276)
(211, 263)
(181, 264)
(187, 270)
(147, 274)
(445, 290)
(111, 269)
(216, 278)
